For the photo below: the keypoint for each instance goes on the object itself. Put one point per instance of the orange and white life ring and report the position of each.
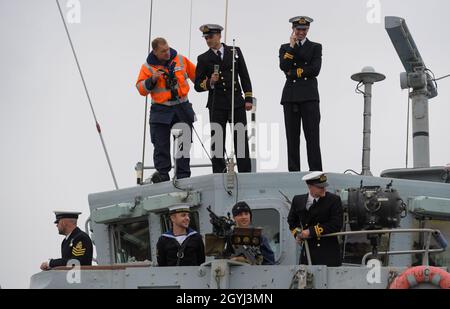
(422, 274)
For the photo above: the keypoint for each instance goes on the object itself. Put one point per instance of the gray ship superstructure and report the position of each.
(395, 221)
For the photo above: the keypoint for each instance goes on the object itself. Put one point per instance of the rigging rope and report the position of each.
(441, 77)
(146, 98)
(190, 31)
(226, 21)
(88, 96)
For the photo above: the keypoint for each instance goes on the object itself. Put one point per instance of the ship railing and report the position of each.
(139, 168)
(107, 267)
(191, 166)
(426, 251)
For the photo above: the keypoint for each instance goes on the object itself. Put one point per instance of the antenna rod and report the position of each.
(141, 172)
(226, 21)
(88, 97)
(367, 77)
(252, 137)
(230, 164)
(407, 128)
(233, 81)
(190, 29)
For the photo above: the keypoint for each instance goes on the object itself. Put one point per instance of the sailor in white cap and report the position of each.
(315, 214)
(77, 245)
(181, 245)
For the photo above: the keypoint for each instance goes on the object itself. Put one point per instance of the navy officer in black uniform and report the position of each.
(301, 60)
(77, 245)
(313, 215)
(180, 246)
(214, 74)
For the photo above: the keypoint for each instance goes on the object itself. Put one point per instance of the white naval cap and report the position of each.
(179, 208)
(318, 179)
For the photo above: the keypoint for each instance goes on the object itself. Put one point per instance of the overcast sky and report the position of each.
(51, 155)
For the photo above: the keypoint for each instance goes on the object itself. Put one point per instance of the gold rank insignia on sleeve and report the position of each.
(203, 84)
(78, 250)
(288, 56)
(318, 230)
(248, 94)
(299, 72)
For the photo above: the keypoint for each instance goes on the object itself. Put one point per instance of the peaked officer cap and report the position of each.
(301, 22)
(210, 29)
(318, 179)
(66, 215)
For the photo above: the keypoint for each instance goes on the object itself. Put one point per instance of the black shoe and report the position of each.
(183, 176)
(157, 177)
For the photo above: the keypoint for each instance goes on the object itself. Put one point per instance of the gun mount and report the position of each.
(374, 208)
(227, 241)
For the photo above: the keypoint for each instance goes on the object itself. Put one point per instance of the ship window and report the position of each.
(132, 242)
(194, 224)
(269, 220)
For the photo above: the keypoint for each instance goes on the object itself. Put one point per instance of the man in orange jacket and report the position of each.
(165, 77)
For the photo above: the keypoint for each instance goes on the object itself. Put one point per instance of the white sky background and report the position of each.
(51, 155)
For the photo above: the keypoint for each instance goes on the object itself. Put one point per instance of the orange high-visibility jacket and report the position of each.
(184, 70)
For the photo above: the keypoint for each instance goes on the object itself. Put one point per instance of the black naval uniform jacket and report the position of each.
(191, 252)
(219, 98)
(78, 246)
(301, 85)
(324, 217)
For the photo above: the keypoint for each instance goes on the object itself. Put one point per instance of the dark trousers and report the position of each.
(327, 253)
(221, 117)
(294, 114)
(160, 136)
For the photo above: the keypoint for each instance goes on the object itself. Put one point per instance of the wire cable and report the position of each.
(190, 30)
(201, 142)
(358, 88)
(223, 182)
(436, 79)
(350, 170)
(226, 21)
(97, 125)
(146, 98)
(433, 79)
